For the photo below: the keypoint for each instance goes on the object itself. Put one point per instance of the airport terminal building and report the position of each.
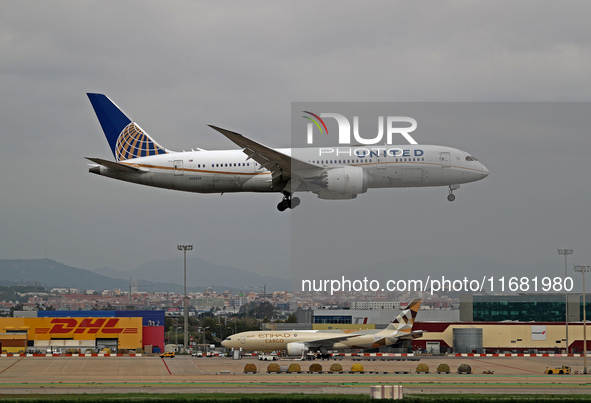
(60, 331)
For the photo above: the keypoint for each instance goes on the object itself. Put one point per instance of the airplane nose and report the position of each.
(483, 170)
(224, 343)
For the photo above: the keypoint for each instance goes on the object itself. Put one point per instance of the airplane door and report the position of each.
(445, 160)
(178, 168)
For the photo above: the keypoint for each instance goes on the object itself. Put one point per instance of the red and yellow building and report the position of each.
(18, 334)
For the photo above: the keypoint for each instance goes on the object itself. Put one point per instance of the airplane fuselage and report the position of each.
(281, 340)
(222, 171)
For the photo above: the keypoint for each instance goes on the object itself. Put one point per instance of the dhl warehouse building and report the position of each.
(59, 331)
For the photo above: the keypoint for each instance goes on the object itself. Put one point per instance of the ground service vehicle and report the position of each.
(565, 369)
(267, 357)
(169, 354)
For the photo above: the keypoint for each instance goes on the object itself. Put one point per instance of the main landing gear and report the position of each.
(288, 202)
(451, 196)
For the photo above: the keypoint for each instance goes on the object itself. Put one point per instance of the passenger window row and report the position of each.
(240, 164)
(366, 161)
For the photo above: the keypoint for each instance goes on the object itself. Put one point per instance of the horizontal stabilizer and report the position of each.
(116, 166)
(415, 334)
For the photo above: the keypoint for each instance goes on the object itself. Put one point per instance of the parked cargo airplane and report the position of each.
(298, 342)
(140, 159)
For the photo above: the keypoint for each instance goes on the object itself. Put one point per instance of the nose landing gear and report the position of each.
(451, 196)
(288, 202)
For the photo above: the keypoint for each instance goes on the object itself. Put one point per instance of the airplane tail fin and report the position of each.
(406, 319)
(126, 139)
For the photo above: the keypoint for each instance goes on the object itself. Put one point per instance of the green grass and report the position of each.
(284, 398)
(495, 398)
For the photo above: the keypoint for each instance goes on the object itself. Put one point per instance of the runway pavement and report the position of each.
(185, 374)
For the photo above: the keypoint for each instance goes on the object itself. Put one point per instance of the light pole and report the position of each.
(185, 248)
(582, 269)
(176, 334)
(221, 330)
(565, 252)
(203, 330)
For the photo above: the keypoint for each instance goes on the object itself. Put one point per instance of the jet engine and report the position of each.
(342, 183)
(347, 180)
(296, 348)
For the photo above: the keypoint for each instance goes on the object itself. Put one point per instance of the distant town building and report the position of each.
(375, 305)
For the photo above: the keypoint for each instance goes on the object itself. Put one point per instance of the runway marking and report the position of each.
(502, 365)
(11, 365)
(166, 365)
(446, 385)
(197, 366)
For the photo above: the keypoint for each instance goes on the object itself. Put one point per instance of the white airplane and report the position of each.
(298, 342)
(258, 168)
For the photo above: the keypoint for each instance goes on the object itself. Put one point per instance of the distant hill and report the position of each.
(167, 275)
(50, 273)
(200, 274)
(157, 275)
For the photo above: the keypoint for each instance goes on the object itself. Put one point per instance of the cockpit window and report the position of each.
(470, 158)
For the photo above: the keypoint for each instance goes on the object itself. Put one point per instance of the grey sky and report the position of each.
(176, 66)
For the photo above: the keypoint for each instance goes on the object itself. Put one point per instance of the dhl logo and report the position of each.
(88, 326)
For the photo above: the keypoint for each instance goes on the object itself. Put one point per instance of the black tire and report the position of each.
(561, 372)
(451, 197)
(550, 372)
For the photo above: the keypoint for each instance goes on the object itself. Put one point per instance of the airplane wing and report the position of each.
(117, 166)
(281, 165)
(329, 340)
